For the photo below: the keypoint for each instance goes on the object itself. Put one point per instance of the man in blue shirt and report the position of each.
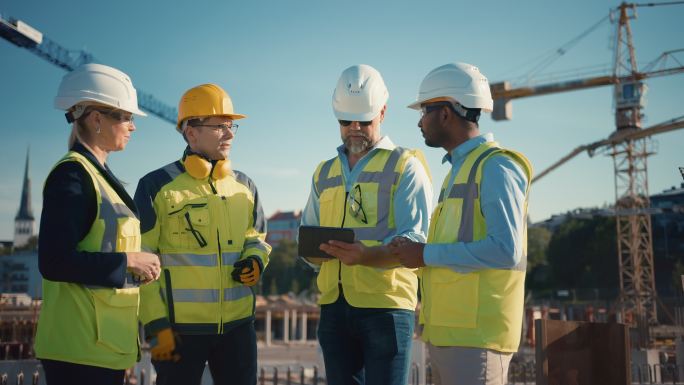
(382, 192)
(473, 265)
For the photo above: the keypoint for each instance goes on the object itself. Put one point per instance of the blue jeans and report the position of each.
(365, 346)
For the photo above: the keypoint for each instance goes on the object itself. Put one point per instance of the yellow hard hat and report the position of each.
(205, 100)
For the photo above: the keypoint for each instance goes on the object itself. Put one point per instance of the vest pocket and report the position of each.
(327, 277)
(127, 234)
(372, 280)
(116, 319)
(454, 299)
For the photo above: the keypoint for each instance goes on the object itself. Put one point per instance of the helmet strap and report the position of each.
(75, 112)
(469, 114)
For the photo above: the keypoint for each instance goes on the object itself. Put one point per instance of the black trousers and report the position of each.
(231, 356)
(67, 373)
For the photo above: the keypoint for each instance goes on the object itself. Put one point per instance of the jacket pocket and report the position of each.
(455, 298)
(374, 281)
(187, 225)
(116, 319)
(128, 234)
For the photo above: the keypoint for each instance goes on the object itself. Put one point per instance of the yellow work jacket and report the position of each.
(483, 308)
(363, 286)
(200, 228)
(92, 325)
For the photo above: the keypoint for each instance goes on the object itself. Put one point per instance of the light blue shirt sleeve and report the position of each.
(310, 215)
(504, 189)
(412, 203)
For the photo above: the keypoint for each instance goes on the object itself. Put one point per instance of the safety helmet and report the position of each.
(97, 83)
(461, 82)
(203, 101)
(360, 94)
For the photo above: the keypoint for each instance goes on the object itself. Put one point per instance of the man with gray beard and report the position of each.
(383, 193)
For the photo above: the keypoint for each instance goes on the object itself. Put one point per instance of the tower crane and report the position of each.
(629, 149)
(23, 35)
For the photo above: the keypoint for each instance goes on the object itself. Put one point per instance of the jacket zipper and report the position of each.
(219, 259)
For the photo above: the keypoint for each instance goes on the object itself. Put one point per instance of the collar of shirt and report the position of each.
(465, 148)
(385, 143)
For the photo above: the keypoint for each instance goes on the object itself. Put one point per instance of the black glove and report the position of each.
(247, 271)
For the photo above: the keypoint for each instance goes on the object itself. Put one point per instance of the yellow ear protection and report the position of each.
(199, 167)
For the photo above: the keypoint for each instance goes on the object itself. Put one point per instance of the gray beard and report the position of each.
(357, 147)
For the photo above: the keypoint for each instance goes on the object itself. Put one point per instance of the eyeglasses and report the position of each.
(120, 116)
(345, 123)
(356, 205)
(232, 127)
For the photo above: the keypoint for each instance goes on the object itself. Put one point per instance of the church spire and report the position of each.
(25, 212)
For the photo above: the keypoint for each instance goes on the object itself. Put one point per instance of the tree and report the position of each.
(284, 273)
(582, 253)
(538, 239)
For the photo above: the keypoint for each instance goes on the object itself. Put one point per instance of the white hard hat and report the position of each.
(462, 82)
(360, 94)
(100, 84)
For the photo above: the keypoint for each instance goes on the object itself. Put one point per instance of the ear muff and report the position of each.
(199, 168)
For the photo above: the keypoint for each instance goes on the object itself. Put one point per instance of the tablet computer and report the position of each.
(311, 237)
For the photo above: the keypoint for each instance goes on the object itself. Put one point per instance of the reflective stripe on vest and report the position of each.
(210, 295)
(110, 213)
(198, 259)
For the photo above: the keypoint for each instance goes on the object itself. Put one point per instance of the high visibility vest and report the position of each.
(202, 228)
(484, 308)
(92, 325)
(364, 286)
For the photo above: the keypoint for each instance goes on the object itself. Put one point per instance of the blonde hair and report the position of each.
(79, 129)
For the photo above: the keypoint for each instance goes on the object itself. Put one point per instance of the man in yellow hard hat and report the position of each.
(206, 222)
(383, 193)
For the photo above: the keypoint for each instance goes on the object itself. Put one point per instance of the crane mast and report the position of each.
(634, 238)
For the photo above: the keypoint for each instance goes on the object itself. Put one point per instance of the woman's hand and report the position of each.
(144, 265)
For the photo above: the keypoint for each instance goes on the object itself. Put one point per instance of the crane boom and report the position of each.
(23, 35)
(618, 137)
(502, 93)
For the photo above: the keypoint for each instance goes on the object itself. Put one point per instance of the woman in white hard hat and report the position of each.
(89, 246)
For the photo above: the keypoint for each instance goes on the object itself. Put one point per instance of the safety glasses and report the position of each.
(120, 116)
(346, 123)
(356, 205)
(427, 108)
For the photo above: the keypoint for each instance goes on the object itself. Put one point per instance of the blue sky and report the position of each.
(280, 60)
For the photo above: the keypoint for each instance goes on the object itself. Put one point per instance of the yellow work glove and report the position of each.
(247, 271)
(163, 346)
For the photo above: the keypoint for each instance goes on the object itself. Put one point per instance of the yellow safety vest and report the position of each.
(484, 308)
(363, 286)
(92, 325)
(202, 228)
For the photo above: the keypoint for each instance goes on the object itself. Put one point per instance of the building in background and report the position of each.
(19, 274)
(283, 226)
(24, 222)
(19, 270)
